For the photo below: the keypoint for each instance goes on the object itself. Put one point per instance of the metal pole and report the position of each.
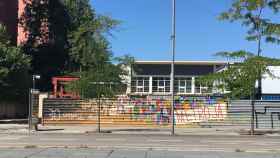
(31, 100)
(173, 37)
(259, 88)
(33, 82)
(98, 126)
(98, 106)
(253, 112)
(29, 111)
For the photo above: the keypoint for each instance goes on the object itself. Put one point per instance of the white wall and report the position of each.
(271, 85)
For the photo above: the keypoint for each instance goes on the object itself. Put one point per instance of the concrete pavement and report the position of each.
(120, 145)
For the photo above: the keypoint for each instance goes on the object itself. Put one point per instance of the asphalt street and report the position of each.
(135, 145)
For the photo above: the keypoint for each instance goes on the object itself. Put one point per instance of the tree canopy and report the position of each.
(240, 77)
(45, 23)
(65, 37)
(12, 64)
(107, 79)
(88, 45)
(253, 14)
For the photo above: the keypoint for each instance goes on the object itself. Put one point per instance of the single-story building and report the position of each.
(153, 77)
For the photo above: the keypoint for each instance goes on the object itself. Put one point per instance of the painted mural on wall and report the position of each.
(192, 110)
(153, 110)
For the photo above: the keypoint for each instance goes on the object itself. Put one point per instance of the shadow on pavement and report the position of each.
(126, 130)
(46, 130)
(14, 121)
(135, 130)
(259, 132)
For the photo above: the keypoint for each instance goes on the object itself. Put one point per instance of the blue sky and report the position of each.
(146, 28)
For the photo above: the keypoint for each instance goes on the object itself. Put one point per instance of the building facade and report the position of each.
(271, 85)
(21, 37)
(10, 13)
(153, 77)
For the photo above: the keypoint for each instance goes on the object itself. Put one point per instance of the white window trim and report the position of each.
(160, 87)
(138, 86)
(163, 87)
(185, 87)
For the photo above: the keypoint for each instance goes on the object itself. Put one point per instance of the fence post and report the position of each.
(29, 110)
(98, 124)
(252, 116)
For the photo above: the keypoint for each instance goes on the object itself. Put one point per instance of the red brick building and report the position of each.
(21, 34)
(10, 12)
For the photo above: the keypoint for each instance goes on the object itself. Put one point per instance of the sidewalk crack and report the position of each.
(110, 153)
(146, 154)
(35, 153)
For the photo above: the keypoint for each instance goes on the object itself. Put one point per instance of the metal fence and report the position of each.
(267, 114)
(189, 112)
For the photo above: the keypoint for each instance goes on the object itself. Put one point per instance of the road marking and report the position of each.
(57, 139)
(12, 145)
(12, 138)
(110, 139)
(225, 141)
(166, 145)
(266, 143)
(158, 140)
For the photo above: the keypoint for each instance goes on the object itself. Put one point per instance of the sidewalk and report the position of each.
(84, 129)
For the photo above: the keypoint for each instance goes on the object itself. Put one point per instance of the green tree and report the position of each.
(253, 14)
(13, 63)
(86, 36)
(65, 37)
(107, 79)
(46, 23)
(240, 77)
(89, 51)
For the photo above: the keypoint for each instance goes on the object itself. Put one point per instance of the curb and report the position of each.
(139, 148)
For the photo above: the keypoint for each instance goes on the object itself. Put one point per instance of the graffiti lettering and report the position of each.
(149, 110)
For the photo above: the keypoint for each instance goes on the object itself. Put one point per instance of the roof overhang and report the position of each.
(184, 62)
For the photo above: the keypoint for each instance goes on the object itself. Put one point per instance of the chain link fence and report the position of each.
(195, 112)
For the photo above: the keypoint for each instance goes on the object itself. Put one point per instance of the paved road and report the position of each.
(132, 145)
(133, 141)
(115, 153)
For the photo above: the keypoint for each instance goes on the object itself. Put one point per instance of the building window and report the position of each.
(183, 85)
(197, 87)
(140, 85)
(202, 88)
(161, 84)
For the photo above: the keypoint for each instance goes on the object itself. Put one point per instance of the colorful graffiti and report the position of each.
(149, 110)
(202, 109)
